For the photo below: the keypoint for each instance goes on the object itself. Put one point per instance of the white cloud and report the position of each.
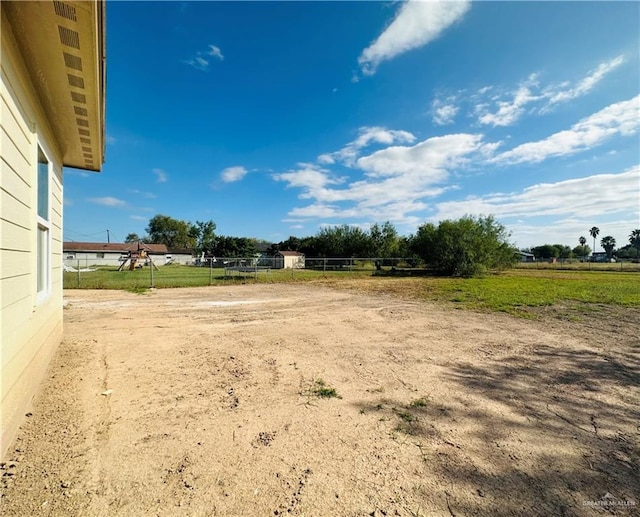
(308, 176)
(622, 118)
(509, 111)
(394, 183)
(592, 196)
(161, 175)
(202, 59)
(429, 159)
(504, 109)
(297, 226)
(416, 24)
(368, 135)
(111, 140)
(231, 174)
(139, 218)
(108, 201)
(585, 85)
(215, 52)
(444, 111)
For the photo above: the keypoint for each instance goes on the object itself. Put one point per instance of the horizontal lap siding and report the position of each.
(29, 331)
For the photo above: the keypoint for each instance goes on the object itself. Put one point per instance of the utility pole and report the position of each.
(108, 238)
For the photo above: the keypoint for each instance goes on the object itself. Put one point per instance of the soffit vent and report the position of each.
(68, 37)
(76, 81)
(72, 61)
(78, 97)
(65, 10)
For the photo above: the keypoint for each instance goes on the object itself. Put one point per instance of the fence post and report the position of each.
(151, 268)
(78, 273)
(211, 271)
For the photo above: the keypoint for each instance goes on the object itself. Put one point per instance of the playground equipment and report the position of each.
(137, 259)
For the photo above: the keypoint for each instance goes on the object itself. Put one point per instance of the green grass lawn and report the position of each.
(512, 291)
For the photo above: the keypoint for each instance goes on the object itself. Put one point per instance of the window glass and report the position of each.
(43, 185)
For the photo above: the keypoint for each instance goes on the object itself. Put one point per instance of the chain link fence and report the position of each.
(124, 273)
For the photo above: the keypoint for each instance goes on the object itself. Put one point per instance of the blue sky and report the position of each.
(276, 118)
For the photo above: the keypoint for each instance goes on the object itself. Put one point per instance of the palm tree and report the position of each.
(634, 240)
(608, 243)
(582, 240)
(594, 233)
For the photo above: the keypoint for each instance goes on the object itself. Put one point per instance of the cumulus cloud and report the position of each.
(108, 201)
(394, 181)
(367, 136)
(622, 118)
(308, 176)
(429, 159)
(161, 175)
(232, 174)
(202, 59)
(595, 195)
(416, 24)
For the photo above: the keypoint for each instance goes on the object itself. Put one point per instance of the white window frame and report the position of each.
(43, 224)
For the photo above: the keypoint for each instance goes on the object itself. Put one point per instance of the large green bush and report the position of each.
(467, 247)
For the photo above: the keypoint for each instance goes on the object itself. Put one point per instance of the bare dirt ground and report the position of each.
(201, 402)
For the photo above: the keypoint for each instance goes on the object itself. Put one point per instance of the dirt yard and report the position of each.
(207, 402)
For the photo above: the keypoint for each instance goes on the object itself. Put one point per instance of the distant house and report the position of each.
(179, 256)
(600, 256)
(87, 254)
(288, 260)
(526, 257)
(52, 115)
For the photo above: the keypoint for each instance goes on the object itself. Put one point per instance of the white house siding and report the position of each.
(89, 259)
(30, 330)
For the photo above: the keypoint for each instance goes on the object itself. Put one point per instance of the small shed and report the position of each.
(288, 260)
(526, 257)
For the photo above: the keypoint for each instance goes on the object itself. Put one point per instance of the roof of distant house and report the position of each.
(101, 247)
(291, 254)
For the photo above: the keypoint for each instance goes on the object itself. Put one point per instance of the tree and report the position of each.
(342, 241)
(594, 233)
(608, 243)
(173, 233)
(206, 237)
(234, 247)
(634, 240)
(546, 251)
(582, 240)
(383, 241)
(581, 251)
(132, 237)
(465, 247)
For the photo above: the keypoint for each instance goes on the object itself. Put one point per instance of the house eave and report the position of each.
(63, 47)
